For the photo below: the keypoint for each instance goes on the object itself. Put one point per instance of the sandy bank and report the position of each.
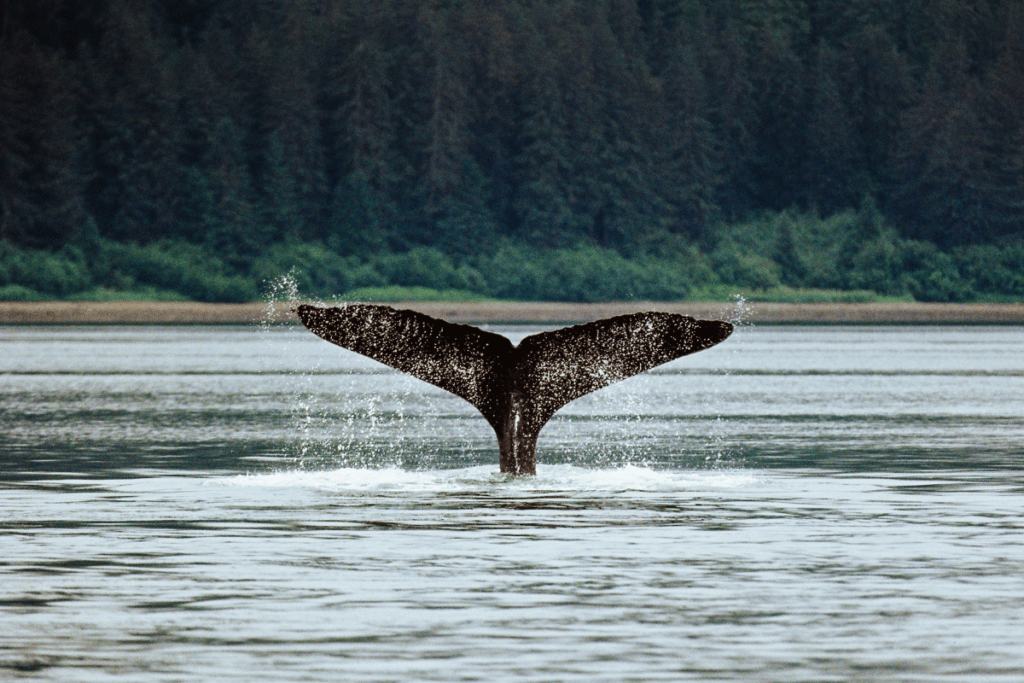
(515, 312)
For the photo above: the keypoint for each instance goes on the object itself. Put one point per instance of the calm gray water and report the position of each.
(229, 504)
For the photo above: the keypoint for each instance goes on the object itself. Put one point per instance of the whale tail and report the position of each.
(516, 388)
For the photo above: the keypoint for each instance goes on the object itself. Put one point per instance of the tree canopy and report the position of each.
(381, 125)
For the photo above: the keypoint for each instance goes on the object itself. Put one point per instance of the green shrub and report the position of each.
(317, 270)
(55, 274)
(21, 293)
(513, 272)
(586, 274)
(665, 280)
(933, 275)
(993, 270)
(583, 274)
(186, 268)
(365, 275)
(819, 245)
(427, 267)
(855, 255)
(399, 293)
(850, 250)
(878, 265)
(736, 266)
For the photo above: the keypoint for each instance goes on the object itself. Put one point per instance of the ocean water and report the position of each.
(204, 503)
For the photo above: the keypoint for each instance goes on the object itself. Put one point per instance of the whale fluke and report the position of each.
(516, 388)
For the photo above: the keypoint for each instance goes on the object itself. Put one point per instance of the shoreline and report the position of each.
(164, 313)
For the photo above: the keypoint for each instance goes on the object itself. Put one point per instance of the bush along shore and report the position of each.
(790, 256)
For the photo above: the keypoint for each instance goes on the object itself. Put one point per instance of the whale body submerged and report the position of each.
(516, 388)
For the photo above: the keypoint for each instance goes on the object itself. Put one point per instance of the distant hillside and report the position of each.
(651, 131)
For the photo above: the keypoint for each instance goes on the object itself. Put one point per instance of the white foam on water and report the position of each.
(636, 478)
(351, 479)
(564, 478)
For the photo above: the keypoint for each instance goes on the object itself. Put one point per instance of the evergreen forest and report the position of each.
(574, 150)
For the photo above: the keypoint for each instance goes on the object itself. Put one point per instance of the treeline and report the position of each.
(644, 131)
(787, 256)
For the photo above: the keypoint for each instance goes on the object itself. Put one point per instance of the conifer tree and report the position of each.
(543, 165)
(779, 135)
(875, 84)
(1002, 183)
(363, 125)
(289, 155)
(41, 182)
(15, 206)
(732, 115)
(831, 165)
(941, 159)
(135, 140)
(689, 139)
(234, 231)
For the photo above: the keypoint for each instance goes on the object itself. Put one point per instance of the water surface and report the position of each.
(797, 504)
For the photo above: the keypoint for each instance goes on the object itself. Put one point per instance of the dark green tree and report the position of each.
(941, 159)
(369, 120)
(689, 140)
(779, 133)
(733, 121)
(831, 175)
(41, 180)
(1002, 182)
(134, 138)
(875, 84)
(234, 231)
(452, 183)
